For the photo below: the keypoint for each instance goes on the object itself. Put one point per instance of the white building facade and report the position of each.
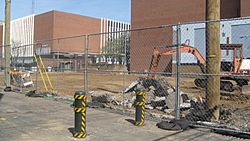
(111, 31)
(21, 37)
(232, 32)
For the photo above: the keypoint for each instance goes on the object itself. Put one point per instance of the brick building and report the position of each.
(55, 24)
(163, 12)
(46, 27)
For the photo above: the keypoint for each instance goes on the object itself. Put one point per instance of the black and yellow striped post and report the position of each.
(80, 115)
(140, 107)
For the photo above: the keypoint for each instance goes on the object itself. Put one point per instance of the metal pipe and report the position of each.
(86, 65)
(178, 57)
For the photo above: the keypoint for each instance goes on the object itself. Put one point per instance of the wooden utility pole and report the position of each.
(7, 53)
(213, 63)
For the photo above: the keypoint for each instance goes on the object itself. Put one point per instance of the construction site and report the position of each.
(181, 79)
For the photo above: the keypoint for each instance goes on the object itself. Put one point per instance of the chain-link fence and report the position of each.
(214, 72)
(183, 72)
(53, 66)
(124, 64)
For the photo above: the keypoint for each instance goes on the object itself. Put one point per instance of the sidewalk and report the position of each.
(36, 119)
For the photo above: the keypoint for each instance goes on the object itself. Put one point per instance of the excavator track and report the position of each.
(226, 84)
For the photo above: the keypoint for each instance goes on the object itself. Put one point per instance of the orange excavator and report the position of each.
(236, 66)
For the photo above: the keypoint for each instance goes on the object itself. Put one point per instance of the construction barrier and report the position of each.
(140, 107)
(80, 114)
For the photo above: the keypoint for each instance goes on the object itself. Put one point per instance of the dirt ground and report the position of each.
(67, 83)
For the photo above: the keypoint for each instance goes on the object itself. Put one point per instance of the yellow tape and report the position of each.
(83, 104)
(140, 103)
(83, 114)
(140, 93)
(83, 118)
(80, 97)
(80, 110)
(83, 129)
(80, 135)
(139, 123)
(83, 124)
(85, 98)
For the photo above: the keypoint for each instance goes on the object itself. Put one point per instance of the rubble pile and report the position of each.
(160, 99)
(102, 96)
(199, 111)
(235, 117)
(160, 95)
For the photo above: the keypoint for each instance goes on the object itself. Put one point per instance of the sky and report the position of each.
(111, 9)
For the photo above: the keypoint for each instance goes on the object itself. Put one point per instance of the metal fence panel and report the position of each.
(168, 62)
(55, 66)
(234, 74)
(126, 62)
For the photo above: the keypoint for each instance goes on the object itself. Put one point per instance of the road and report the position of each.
(37, 119)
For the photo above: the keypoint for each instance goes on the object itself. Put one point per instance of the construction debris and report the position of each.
(236, 117)
(199, 111)
(160, 94)
(102, 96)
(21, 78)
(245, 90)
(159, 99)
(33, 93)
(7, 89)
(160, 103)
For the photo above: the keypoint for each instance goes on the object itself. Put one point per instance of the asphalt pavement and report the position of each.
(37, 119)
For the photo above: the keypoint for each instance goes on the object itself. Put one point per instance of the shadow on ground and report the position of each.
(130, 121)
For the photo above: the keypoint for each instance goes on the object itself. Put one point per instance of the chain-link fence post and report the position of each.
(178, 57)
(125, 70)
(86, 64)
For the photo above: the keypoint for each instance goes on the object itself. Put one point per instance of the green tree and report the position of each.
(119, 48)
(116, 46)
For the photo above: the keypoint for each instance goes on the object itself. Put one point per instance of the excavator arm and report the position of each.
(183, 49)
